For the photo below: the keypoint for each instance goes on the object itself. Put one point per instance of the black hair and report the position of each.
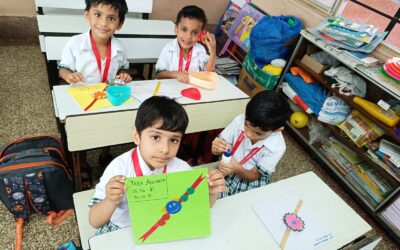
(267, 110)
(192, 12)
(118, 5)
(161, 108)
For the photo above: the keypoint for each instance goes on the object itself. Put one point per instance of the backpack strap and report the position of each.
(54, 218)
(36, 192)
(19, 223)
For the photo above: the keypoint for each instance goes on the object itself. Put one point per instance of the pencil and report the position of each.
(157, 88)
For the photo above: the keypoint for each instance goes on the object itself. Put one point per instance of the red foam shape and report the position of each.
(191, 93)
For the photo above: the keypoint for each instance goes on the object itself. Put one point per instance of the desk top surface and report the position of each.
(65, 105)
(143, 6)
(76, 24)
(234, 225)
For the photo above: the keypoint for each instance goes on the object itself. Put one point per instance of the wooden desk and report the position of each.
(143, 40)
(113, 125)
(234, 225)
(50, 6)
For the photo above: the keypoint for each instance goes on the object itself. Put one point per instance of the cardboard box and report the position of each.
(315, 66)
(248, 85)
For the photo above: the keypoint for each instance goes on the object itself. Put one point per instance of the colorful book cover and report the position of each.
(229, 16)
(241, 27)
(169, 207)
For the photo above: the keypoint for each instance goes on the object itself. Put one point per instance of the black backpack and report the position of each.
(35, 177)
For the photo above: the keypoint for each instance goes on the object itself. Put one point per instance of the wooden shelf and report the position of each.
(349, 100)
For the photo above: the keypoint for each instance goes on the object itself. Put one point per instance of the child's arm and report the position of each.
(181, 76)
(234, 167)
(216, 185)
(211, 45)
(100, 213)
(70, 77)
(124, 76)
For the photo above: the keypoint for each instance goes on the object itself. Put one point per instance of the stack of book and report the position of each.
(349, 34)
(372, 185)
(343, 158)
(226, 66)
(392, 213)
(373, 151)
(363, 178)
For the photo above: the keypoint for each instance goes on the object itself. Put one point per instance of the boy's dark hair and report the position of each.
(157, 108)
(118, 5)
(267, 110)
(192, 12)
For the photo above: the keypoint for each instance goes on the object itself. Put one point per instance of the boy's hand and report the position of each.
(209, 40)
(216, 182)
(115, 189)
(124, 77)
(183, 77)
(228, 168)
(74, 77)
(219, 146)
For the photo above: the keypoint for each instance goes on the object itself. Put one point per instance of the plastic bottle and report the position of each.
(226, 157)
(387, 117)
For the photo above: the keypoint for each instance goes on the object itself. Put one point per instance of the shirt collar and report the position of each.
(270, 142)
(145, 168)
(87, 45)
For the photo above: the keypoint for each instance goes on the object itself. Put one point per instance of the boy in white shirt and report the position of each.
(159, 126)
(184, 53)
(255, 141)
(96, 55)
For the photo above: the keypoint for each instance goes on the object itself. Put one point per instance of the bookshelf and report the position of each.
(376, 89)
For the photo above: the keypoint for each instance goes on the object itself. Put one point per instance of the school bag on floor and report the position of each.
(35, 177)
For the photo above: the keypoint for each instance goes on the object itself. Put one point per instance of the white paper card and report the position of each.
(271, 212)
(144, 90)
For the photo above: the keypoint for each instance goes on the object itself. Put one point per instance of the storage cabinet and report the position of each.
(377, 89)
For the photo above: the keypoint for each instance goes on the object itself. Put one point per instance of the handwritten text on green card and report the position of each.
(148, 189)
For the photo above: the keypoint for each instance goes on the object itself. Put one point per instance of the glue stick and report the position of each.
(226, 156)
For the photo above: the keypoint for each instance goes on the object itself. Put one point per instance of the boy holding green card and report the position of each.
(159, 127)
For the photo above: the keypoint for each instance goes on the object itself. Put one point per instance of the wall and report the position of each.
(168, 9)
(25, 8)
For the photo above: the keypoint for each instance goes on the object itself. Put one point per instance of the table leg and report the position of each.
(77, 171)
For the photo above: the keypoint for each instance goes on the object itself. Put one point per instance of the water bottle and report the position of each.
(226, 157)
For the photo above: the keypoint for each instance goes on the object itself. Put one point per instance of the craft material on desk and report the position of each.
(169, 207)
(144, 90)
(271, 211)
(191, 93)
(203, 79)
(83, 95)
(155, 92)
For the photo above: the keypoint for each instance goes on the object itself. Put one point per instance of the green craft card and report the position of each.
(168, 207)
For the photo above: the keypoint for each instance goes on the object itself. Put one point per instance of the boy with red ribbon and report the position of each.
(159, 126)
(184, 53)
(256, 143)
(96, 55)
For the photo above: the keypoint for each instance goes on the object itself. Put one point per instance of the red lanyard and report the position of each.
(189, 58)
(252, 152)
(98, 59)
(136, 164)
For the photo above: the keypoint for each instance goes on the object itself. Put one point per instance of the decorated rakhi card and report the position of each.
(292, 223)
(169, 207)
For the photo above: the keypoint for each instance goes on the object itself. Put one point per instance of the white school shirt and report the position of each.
(123, 165)
(267, 158)
(169, 58)
(78, 56)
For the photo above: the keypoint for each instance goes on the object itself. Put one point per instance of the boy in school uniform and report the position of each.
(256, 143)
(159, 126)
(96, 55)
(184, 53)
